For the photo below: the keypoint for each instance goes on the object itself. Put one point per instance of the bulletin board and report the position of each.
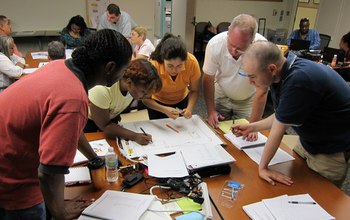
(94, 9)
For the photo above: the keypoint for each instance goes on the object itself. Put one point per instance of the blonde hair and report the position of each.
(140, 31)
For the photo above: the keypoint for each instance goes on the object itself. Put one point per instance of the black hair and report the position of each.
(304, 20)
(170, 47)
(346, 38)
(113, 9)
(79, 21)
(101, 47)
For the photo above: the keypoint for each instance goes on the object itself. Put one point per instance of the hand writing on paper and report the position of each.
(213, 119)
(143, 139)
(271, 176)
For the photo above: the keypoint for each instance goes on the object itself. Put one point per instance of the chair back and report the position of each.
(325, 39)
(222, 26)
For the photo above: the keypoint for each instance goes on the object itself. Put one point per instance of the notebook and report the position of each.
(296, 44)
(99, 146)
(77, 176)
(240, 143)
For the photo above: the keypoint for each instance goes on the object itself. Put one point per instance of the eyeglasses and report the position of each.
(131, 169)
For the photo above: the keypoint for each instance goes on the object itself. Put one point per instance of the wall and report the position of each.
(225, 10)
(333, 19)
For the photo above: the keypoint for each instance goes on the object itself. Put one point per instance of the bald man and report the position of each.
(310, 97)
(227, 93)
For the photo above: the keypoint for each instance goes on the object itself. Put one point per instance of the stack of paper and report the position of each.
(118, 205)
(255, 149)
(297, 207)
(99, 146)
(77, 175)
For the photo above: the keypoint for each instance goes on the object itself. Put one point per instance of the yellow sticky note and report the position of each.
(188, 204)
(226, 125)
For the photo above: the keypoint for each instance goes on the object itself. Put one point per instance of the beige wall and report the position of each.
(225, 10)
(333, 19)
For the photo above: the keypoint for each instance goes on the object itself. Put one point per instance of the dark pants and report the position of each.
(158, 115)
(36, 212)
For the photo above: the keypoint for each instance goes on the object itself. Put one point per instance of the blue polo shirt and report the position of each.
(315, 100)
(312, 35)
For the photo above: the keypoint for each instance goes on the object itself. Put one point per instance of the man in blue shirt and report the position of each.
(305, 33)
(310, 97)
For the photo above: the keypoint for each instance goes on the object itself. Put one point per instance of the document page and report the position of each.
(240, 143)
(119, 205)
(256, 153)
(168, 166)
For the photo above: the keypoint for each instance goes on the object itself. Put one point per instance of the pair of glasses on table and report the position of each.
(131, 169)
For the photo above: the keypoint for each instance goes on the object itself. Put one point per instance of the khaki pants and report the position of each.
(332, 166)
(232, 109)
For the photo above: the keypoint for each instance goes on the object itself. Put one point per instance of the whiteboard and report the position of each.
(94, 9)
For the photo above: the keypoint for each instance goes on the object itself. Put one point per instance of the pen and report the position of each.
(297, 202)
(172, 128)
(143, 131)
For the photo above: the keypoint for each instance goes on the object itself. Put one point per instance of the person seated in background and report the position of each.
(19, 61)
(8, 70)
(208, 32)
(140, 81)
(116, 19)
(345, 46)
(180, 74)
(56, 50)
(6, 29)
(305, 33)
(75, 32)
(143, 46)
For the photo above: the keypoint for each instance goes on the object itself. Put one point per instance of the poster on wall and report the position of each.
(95, 8)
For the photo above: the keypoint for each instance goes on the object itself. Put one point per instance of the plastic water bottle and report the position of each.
(334, 61)
(111, 165)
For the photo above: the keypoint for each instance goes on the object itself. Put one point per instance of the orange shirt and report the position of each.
(172, 91)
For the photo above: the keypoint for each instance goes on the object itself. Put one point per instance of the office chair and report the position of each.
(222, 26)
(325, 39)
(199, 44)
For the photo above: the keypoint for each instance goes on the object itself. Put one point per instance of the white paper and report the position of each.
(256, 153)
(29, 70)
(99, 146)
(119, 205)
(77, 175)
(40, 55)
(41, 64)
(166, 140)
(281, 209)
(258, 211)
(241, 144)
(168, 166)
(69, 53)
(203, 155)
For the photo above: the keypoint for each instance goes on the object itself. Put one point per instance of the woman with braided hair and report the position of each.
(41, 119)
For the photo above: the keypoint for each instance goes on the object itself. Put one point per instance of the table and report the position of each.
(31, 62)
(245, 171)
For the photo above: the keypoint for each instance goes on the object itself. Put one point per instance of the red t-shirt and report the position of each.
(41, 118)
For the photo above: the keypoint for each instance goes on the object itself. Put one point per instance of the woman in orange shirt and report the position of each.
(180, 75)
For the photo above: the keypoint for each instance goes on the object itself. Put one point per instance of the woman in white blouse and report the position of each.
(143, 46)
(8, 70)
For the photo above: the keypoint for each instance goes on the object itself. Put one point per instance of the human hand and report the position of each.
(271, 176)
(171, 112)
(242, 129)
(213, 119)
(75, 207)
(253, 136)
(143, 139)
(186, 113)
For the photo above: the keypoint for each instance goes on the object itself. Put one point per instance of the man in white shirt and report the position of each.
(117, 20)
(223, 78)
